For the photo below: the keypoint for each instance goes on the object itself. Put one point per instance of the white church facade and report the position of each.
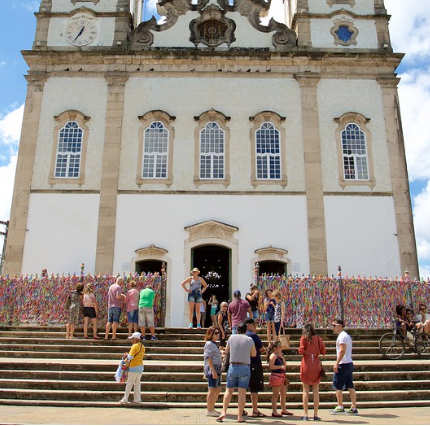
(210, 139)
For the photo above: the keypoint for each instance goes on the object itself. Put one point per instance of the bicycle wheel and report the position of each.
(392, 346)
(422, 343)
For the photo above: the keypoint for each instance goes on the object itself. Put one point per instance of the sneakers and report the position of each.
(213, 413)
(338, 410)
(191, 325)
(154, 338)
(352, 412)
(199, 326)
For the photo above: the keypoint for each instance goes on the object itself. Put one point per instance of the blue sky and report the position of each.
(409, 33)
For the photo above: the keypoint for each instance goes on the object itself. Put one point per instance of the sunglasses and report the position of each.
(334, 325)
(216, 332)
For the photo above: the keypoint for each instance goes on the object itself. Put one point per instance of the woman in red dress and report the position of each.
(311, 346)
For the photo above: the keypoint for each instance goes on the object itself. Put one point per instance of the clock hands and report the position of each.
(80, 33)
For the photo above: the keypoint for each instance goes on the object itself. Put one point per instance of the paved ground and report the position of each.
(10, 415)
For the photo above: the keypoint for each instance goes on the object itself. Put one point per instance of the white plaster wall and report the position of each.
(322, 38)
(280, 221)
(337, 97)
(238, 97)
(58, 26)
(67, 5)
(179, 34)
(87, 95)
(61, 233)
(361, 7)
(361, 236)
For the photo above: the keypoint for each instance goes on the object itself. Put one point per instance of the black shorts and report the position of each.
(90, 312)
(256, 382)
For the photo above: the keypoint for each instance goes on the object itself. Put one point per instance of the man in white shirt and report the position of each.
(343, 369)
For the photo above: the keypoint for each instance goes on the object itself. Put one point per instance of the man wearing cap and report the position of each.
(146, 311)
(135, 357)
(237, 311)
(343, 369)
(256, 382)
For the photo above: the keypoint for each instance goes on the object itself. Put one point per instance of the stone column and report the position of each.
(302, 24)
(313, 173)
(399, 176)
(110, 172)
(24, 173)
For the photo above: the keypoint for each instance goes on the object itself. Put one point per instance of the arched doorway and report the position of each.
(272, 267)
(214, 261)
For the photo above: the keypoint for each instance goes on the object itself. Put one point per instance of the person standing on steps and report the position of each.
(253, 298)
(146, 311)
(195, 292)
(135, 358)
(256, 382)
(132, 307)
(115, 300)
(343, 369)
(237, 311)
(91, 310)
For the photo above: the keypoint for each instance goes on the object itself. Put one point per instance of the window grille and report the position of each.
(355, 162)
(212, 152)
(68, 159)
(268, 152)
(155, 151)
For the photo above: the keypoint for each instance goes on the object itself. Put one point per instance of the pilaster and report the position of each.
(24, 172)
(313, 173)
(110, 172)
(302, 24)
(42, 26)
(399, 176)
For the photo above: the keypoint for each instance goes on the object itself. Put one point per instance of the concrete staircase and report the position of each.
(38, 366)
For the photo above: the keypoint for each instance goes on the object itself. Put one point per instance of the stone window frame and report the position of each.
(361, 121)
(62, 119)
(351, 28)
(85, 1)
(276, 120)
(333, 2)
(146, 120)
(202, 120)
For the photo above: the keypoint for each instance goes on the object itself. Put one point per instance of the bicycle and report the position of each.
(392, 345)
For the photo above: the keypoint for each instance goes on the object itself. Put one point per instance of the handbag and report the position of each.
(277, 379)
(284, 339)
(322, 371)
(226, 363)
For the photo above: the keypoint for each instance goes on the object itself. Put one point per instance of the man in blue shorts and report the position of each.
(115, 300)
(343, 369)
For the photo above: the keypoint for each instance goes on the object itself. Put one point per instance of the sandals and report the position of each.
(287, 413)
(258, 414)
(276, 415)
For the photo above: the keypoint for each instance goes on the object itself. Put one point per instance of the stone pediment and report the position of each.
(151, 251)
(211, 229)
(212, 23)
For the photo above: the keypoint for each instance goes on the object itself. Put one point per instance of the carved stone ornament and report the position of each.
(151, 251)
(212, 28)
(211, 229)
(141, 37)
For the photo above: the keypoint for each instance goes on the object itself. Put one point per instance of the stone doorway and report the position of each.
(269, 267)
(214, 262)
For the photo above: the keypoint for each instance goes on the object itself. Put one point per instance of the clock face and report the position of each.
(81, 32)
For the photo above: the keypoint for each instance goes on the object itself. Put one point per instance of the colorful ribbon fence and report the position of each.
(367, 303)
(41, 300)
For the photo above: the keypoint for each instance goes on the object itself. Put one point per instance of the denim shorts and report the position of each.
(214, 383)
(133, 316)
(195, 296)
(238, 376)
(342, 380)
(270, 316)
(114, 314)
(255, 315)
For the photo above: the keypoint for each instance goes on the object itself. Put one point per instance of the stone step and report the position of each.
(192, 377)
(192, 397)
(191, 387)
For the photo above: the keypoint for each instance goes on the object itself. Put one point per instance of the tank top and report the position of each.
(195, 285)
(278, 361)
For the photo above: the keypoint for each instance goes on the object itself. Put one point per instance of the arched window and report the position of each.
(69, 151)
(155, 151)
(212, 152)
(354, 153)
(268, 152)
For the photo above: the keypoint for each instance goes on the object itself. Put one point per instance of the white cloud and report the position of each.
(3, 63)
(422, 229)
(10, 127)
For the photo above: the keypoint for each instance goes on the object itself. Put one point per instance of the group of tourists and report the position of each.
(408, 322)
(138, 305)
